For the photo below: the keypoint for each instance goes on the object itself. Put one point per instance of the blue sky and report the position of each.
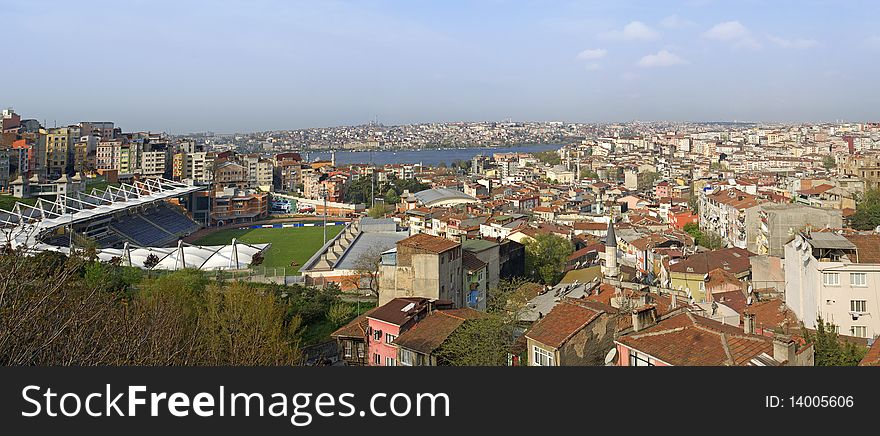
(227, 66)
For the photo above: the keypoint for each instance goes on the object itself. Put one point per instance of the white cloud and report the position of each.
(675, 22)
(797, 43)
(732, 32)
(634, 31)
(592, 54)
(662, 58)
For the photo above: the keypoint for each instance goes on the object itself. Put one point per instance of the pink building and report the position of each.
(663, 189)
(387, 322)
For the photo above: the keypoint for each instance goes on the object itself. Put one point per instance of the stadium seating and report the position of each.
(159, 226)
(139, 230)
(171, 220)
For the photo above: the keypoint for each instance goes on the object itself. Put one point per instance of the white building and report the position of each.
(836, 277)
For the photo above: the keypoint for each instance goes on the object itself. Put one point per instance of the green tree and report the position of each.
(484, 341)
(339, 313)
(828, 162)
(867, 216)
(646, 180)
(708, 240)
(829, 349)
(548, 157)
(377, 211)
(391, 196)
(546, 256)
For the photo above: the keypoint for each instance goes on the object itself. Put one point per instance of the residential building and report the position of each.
(422, 266)
(686, 339)
(387, 322)
(576, 332)
(835, 277)
(419, 345)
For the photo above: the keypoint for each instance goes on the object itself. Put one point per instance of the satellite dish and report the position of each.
(611, 357)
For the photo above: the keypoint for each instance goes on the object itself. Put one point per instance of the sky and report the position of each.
(226, 66)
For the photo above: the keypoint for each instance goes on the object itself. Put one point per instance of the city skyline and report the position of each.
(272, 66)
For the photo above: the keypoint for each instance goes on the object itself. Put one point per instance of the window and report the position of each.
(347, 348)
(360, 350)
(389, 338)
(637, 359)
(859, 306)
(831, 279)
(389, 361)
(377, 335)
(377, 359)
(858, 279)
(542, 357)
(407, 358)
(859, 331)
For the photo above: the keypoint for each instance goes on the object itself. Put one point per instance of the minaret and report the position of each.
(610, 270)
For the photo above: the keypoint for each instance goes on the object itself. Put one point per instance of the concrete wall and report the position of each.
(589, 346)
(808, 297)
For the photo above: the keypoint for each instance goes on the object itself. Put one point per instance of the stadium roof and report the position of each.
(443, 196)
(217, 257)
(24, 223)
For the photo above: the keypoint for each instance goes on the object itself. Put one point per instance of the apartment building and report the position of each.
(422, 266)
(836, 277)
(731, 214)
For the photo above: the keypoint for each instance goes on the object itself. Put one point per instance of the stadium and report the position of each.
(141, 224)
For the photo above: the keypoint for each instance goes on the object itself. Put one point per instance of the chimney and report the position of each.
(749, 323)
(784, 349)
(643, 317)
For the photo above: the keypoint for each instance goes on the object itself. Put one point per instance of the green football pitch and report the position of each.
(289, 244)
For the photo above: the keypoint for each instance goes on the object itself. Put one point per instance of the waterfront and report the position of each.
(425, 156)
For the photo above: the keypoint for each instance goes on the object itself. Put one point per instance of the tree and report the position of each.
(151, 261)
(708, 240)
(828, 162)
(693, 200)
(867, 216)
(59, 310)
(646, 180)
(546, 256)
(589, 174)
(484, 341)
(245, 326)
(391, 196)
(377, 211)
(828, 348)
(548, 157)
(366, 267)
(339, 313)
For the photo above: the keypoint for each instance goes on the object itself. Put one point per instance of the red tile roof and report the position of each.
(873, 356)
(426, 242)
(429, 333)
(734, 260)
(564, 321)
(357, 328)
(690, 340)
(392, 312)
(868, 247)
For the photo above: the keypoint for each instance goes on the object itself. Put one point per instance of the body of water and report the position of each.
(426, 157)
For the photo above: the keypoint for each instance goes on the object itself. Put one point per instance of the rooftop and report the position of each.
(564, 320)
(430, 333)
(426, 242)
